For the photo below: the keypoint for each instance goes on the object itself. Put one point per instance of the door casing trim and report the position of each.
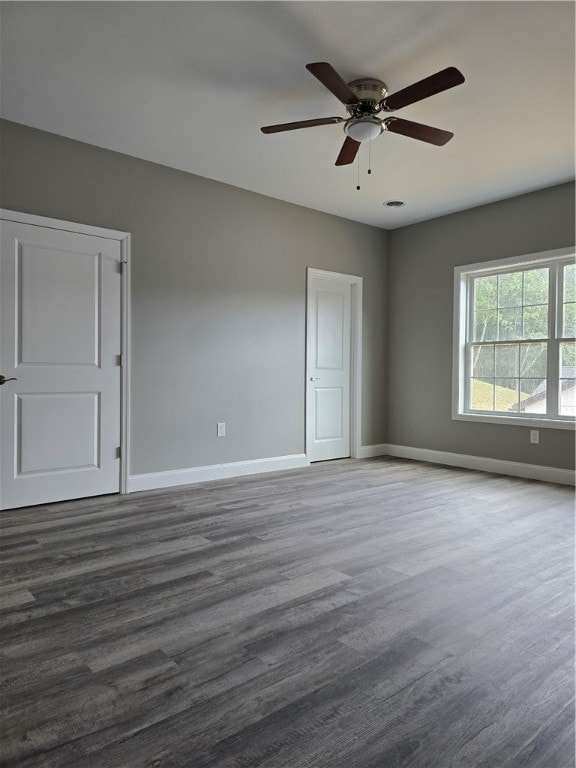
(355, 282)
(125, 252)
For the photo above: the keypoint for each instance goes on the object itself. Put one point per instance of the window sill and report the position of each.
(529, 421)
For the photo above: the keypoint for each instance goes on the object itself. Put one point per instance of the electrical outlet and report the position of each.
(534, 436)
(221, 429)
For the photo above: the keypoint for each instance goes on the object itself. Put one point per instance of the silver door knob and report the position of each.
(314, 378)
(3, 379)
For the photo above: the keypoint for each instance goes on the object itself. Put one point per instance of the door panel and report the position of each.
(328, 368)
(57, 432)
(60, 337)
(329, 336)
(45, 331)
(329, 410)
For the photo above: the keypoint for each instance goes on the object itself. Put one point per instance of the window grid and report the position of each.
(548, 399)
(567, 296)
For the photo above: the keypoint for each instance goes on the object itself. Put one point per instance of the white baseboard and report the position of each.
(371, 451)
(484, 464)
(169, 478)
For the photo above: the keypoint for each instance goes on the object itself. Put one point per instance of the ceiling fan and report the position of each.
(365, 98)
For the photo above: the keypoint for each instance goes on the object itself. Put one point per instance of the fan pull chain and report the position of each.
(369, 156)
(358, 170)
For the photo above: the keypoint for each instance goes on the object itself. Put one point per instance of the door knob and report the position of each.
(314, 378)
(3, 379)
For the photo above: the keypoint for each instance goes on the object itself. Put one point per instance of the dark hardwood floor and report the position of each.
(357, 614)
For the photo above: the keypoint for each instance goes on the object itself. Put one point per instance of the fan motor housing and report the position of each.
(370, 91)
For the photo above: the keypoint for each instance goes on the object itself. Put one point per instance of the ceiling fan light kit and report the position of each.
(365, 98)
(363, 128)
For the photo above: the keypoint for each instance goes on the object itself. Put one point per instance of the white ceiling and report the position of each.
(188, 85)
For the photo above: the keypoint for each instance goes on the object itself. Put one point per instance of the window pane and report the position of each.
(510, 290)
(485, 289)
(570, 282)
(567, 359)
(533, 360)
(506, 395)
(535, 322)
(569, 297)
(567, 389)
(568, 397)
(569, 321)
(483, 361)
(533, 395)
(481, 395)
(507, 360)
(485, 325)
(509, 324)
(536, 286)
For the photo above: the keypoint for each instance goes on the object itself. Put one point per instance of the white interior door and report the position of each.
(60, 338)
(328, 367)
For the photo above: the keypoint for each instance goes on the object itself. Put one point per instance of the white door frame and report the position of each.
(124, 239)
(355, 283)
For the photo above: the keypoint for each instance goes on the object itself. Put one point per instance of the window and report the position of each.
(514, 340)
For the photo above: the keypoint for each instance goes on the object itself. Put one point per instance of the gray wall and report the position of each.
(218, 296)
(421, 265)
(218, 292)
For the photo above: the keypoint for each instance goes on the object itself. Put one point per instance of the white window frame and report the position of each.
(462, 311)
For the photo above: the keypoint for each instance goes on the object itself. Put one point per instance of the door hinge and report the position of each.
(119, 452)
(122, 265)
(120, 360)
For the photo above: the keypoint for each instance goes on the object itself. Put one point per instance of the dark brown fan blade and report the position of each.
(331, 79)
(418, 131)
(437, 83)
(348, 151)
(300, 124)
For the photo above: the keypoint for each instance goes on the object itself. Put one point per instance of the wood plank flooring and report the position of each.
(357, 614)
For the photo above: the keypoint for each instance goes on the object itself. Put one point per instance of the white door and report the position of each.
(60, 315)
(328, 352)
